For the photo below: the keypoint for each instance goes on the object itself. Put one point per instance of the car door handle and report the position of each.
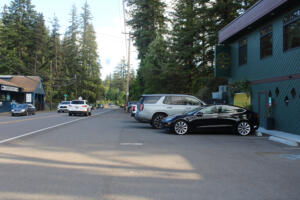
(169, 107)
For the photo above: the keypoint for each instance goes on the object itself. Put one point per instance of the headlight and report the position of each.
(23, 110)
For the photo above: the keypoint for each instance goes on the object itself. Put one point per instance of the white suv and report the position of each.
(152, 108)
(63, 106)
(79, 107)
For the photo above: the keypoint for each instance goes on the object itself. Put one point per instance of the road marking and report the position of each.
(29, 119)
(132, 144)
(48, 128)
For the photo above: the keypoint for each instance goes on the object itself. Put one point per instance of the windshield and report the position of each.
(21, 106)
(77, 102)
(191, 112)
(65, 102)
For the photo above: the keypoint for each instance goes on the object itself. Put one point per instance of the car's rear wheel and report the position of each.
(181, 127)
(156, 120)
(12, 114)
(244, 128)
(70, 114)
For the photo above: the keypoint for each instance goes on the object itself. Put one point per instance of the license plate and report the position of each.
(76, 107)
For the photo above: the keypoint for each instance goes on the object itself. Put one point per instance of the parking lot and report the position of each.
(112, 156)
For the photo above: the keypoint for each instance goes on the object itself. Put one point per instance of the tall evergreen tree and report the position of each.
(90, 82)
(185, 47)
(17, 36)
(70, 48)
(147, 22)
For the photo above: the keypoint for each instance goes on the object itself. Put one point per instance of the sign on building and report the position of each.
(9, 88)
(28, 98)
(241, 100)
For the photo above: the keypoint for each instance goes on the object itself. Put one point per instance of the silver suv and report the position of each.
(152, 108)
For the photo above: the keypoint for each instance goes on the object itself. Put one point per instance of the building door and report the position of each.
(262, 101)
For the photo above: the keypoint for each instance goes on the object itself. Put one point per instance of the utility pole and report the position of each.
(51, 89)
(128, 74)
(128, 61)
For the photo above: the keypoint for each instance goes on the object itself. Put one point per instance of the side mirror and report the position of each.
(199, 114)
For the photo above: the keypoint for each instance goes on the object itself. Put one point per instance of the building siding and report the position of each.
(281, 63)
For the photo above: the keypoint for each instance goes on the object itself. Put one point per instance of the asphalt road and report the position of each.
(112, 157)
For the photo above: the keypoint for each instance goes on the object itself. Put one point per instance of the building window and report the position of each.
(242, 51)
(266, 42)
(291, 30)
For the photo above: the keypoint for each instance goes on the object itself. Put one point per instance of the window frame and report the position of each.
(263, 33)
(243, 50)
(287, 20)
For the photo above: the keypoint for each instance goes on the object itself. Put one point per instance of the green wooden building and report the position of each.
(262, 48)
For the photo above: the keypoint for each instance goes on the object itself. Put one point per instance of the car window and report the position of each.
(21, 106)
(65, 102)
(231, 109)
(192, 101)
(209, 110)
(150, 99)
(77, 102)
(175, 100)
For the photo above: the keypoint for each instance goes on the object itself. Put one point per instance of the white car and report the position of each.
(79, 107)
(63, 106)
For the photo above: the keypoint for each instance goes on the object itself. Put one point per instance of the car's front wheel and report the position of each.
(70, 114)
(156, 121)
(181, 127)
(244, 128)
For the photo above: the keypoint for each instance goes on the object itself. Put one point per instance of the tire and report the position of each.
(70, 114)
(33, 113)
(244, 128)
(12, 114)
(90, 113)
(86, 114)
(181, 127)
(156, 121)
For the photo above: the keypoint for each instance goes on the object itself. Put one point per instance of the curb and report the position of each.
(281, 137)
(283, 141)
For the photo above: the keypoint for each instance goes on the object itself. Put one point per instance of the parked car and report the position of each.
(92, 106)
(63, 106)
(152, 108)
(23, 109)
(79, 107)
(100, 106)
(222, 117)
(130, 103)
(133, 110)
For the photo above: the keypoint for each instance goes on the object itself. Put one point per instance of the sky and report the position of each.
(108, 23)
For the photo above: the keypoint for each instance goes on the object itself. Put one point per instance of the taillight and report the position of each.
(141, 106)
(133, 108)
(84, 106)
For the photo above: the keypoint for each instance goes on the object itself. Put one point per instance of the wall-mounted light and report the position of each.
(286, 100)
